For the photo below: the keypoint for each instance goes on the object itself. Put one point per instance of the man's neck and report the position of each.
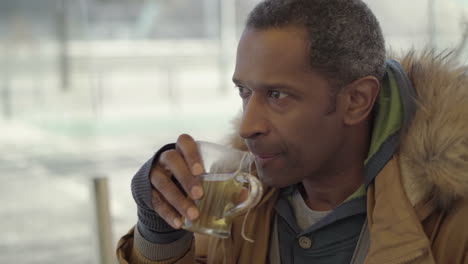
(327, 195)
(343, 176)
(327, 190)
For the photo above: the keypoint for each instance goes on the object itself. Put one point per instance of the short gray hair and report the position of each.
(345, 38)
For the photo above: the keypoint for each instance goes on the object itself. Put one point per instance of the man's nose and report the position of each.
(254, 122)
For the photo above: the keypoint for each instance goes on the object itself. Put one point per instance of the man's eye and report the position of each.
(277, 95)
(243, 92)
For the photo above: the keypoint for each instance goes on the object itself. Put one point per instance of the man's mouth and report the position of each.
(263, 153)
(264, 159)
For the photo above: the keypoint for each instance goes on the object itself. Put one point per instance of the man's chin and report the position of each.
(272, 180)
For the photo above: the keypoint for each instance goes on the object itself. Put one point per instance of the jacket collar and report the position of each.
(396, 233)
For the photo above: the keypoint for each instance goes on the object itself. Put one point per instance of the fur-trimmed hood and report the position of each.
(433, 146)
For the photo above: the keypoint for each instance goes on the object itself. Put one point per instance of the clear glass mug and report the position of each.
(227, 175)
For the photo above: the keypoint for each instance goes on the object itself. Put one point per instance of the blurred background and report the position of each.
(91, 88)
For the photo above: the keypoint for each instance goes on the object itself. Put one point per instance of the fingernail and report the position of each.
(177, 223)
(197, 192)
(197, 169)
(192, 213)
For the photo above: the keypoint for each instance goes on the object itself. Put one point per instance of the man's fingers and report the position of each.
(165, 211)
(174, 162)
(187, 146)
(243, 195)
(173, 195)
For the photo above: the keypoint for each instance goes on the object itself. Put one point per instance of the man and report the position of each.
(358, 165)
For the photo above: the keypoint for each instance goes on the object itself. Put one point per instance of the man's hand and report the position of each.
(180, 166)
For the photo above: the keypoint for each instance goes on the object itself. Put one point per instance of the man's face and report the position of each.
(286, 119)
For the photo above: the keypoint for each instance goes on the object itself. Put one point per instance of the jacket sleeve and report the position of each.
(128, 253)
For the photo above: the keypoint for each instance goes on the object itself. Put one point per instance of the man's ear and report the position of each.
(358, 99)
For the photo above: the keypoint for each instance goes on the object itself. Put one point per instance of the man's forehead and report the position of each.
(272, 51)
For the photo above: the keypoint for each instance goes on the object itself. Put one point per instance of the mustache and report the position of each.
(263, 147)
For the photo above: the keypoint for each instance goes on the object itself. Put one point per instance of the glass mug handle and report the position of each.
(255, 194)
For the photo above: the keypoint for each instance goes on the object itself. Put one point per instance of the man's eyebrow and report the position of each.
(268, 86)
(279, 86)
